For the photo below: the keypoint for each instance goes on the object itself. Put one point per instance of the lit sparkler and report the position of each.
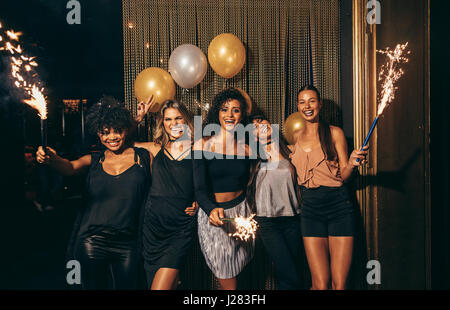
(245, 227)
(25, 78)
(390, 73)
(38, 102)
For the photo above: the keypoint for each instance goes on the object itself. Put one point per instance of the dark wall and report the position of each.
(440, 210)
(80, 61)
(75, 60)
(403, 152)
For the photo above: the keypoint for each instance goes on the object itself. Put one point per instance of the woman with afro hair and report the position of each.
(107, 244)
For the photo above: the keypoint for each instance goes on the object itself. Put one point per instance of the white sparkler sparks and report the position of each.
(37, 102)
(390, 73)
(22, 71)
(13, 35)
(245, 227)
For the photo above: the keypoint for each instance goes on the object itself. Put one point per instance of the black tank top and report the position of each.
(114, 202)
(227, 173)
(218, 173)
(172, 177)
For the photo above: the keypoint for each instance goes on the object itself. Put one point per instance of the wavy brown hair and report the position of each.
(161, 136)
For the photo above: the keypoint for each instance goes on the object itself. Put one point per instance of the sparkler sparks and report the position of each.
(37, 102)
(390, 73)
(13, 35)
(245, 227)
(22, 71)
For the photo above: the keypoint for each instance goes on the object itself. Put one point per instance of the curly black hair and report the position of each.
(108, 113)
(222, 97)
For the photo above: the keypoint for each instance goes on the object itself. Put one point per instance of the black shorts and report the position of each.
(327, 211)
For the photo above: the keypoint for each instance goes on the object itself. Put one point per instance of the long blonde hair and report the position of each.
(161, 136)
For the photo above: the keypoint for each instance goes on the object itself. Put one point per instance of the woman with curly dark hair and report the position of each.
(118, 178)
(221, 170)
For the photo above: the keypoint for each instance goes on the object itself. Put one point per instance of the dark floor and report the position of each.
(34, 253)
(34, 246)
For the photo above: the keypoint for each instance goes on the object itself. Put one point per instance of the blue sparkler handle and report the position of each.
(368, 136)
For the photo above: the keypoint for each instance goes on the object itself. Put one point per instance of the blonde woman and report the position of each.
(168, 228)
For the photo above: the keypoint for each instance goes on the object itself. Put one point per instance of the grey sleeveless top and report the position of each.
(275, 190)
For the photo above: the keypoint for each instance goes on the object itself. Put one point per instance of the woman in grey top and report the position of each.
(272, 193)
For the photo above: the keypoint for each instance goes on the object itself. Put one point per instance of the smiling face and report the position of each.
(230, 114)
(309, 105)
(174, 123)
(112, 139)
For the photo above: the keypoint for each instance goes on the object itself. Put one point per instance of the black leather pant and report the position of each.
(108, 261)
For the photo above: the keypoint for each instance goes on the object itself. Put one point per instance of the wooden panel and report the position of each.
(403, 152)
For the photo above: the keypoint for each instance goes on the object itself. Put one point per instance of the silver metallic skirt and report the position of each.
(224, 255)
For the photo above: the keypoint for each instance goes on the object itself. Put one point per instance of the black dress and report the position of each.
(168, 231)
(107, 240)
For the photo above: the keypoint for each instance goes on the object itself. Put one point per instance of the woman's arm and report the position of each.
(346, 164)
(149, 146)
(192, 210)
(143, 108)
(152, 147)
(201, 188)
(63, 165)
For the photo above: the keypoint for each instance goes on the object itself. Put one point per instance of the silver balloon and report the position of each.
(188, 65)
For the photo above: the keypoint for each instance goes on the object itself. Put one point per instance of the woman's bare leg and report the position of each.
(227, 284)
(316, 249)
(165, 279)
(341, 251)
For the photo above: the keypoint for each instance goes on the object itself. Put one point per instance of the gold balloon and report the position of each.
(226, 55)
(293, 123)
(157, 82)
(247, 99)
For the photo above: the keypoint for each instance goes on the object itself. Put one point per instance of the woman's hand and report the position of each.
(45, 157)
(192, 210)
(215, 216)
(358, 154)
(143, 108)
